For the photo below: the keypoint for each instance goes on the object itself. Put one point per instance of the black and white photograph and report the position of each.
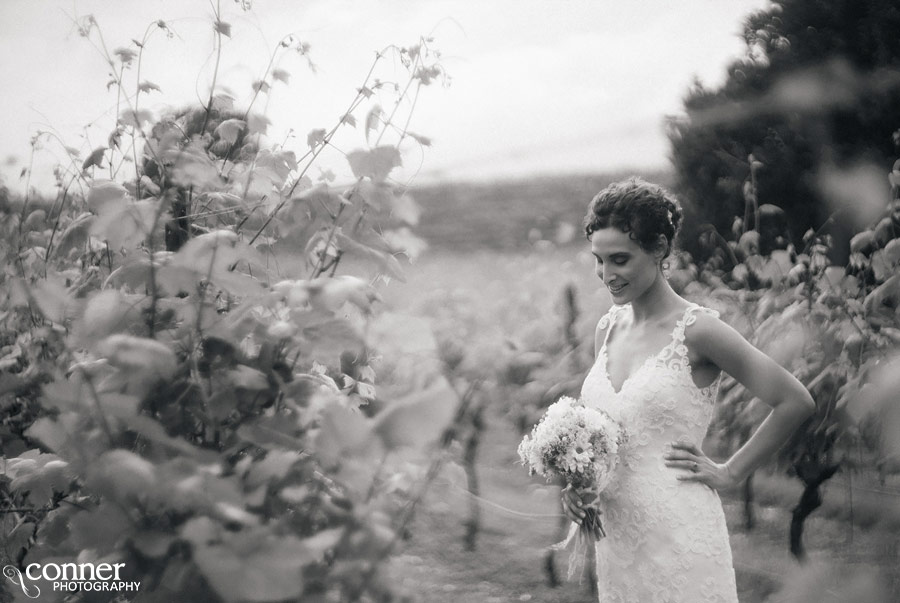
(450, 301)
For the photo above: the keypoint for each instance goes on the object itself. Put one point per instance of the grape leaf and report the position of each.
(379, 195)
(223, 102)
(105, 526)
(105, 195)
(126, 55)
(104, 315)
(330, 294)
(342, 431)
(75, 235)
(146, 86)
(275, 465)
(152, 430)
(254, 568)
(892, 252)
(122, 475)
(375, 164)
(384, 260)
(49, 475)
(36, 220)
(223, 28)
(271, 433)
(316, 137)
(403, 240)
(152, 544)
(320, 542)
(281, 75)
(53, 299)
(258, 124)
(281, 164)
(328, 340)
(244, 377)
(230, 129)
(50, 432)
(135, 119)
(422, 140)
(127, 226)
(373, 119)
(419, 418)
(95, 158)
(191, 166)
(139, 355)
(880, 266)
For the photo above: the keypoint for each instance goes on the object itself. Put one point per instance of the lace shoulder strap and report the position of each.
(689, 318)
(608, 320)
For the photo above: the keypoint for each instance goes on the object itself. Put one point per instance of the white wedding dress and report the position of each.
(667, 541)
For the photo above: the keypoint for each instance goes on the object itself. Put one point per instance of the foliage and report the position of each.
(836, 329)
(172, 400)
(817, 89)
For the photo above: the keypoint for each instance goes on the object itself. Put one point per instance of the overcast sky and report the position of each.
(538, 86)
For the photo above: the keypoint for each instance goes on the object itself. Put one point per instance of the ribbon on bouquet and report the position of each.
(584, 536)
(584, 539)
(578, 556)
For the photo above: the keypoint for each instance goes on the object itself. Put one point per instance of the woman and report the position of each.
(659, 358)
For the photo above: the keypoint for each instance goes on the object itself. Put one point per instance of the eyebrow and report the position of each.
(613, 254)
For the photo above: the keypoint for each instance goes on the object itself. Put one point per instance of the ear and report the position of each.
(661, 247)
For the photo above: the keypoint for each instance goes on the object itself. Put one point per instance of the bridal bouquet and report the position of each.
(581, 445)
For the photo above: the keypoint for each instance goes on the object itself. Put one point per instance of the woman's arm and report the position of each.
(792, 404)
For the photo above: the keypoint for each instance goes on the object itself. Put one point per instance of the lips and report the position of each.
(615, 290)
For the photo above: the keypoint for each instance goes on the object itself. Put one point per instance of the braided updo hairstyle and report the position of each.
(639, 208)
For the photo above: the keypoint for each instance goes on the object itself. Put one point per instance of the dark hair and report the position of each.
(637, 207)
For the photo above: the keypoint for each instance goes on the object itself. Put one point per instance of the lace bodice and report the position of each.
(667, 540)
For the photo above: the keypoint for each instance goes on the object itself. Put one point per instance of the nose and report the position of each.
(605, 272)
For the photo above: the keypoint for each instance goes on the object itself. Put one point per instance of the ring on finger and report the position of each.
(695, 467)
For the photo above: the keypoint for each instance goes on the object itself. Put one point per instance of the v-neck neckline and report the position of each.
(647, 361)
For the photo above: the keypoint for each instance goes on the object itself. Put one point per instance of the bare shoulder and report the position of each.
(708, 332)
(705, 325)
(720, 344)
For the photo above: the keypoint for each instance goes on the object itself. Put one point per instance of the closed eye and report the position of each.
(617, 261)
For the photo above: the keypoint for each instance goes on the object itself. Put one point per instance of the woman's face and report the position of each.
(623, 265)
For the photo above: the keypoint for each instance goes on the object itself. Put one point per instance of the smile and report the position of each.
(616, 289)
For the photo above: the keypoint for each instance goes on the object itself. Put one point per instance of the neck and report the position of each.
(657, 301)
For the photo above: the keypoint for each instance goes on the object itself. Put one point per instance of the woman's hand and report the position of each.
(573, 503)
(699, 467)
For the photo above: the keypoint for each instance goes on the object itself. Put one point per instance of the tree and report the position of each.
(818, 86)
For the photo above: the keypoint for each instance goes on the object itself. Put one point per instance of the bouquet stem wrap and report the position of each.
(584, 537)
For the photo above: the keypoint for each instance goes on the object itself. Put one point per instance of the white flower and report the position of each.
(574, 441)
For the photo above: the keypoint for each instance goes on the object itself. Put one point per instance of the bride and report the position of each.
(659, 358)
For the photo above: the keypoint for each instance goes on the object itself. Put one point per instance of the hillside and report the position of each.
(500, 215)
